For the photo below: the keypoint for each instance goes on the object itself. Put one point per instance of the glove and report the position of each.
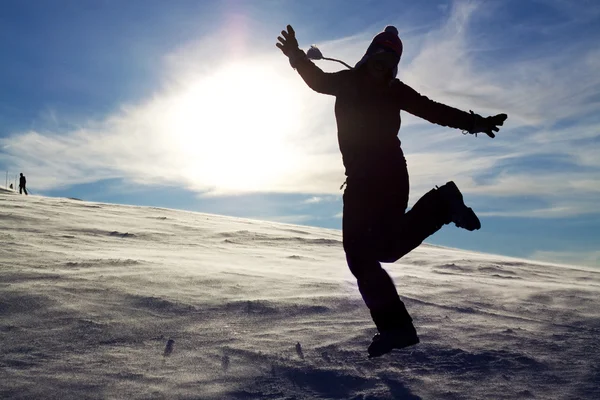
(487, 125)
(289, 46)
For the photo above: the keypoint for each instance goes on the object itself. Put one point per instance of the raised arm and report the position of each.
(441, 114)
(315, 78)
(432, 111)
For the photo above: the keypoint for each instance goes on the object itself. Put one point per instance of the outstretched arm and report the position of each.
(441, 114)
(315, 78)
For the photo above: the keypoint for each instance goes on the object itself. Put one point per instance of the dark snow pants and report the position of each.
(22, 189)
(377, 229)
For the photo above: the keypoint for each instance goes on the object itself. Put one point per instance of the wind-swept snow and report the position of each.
(107, 301)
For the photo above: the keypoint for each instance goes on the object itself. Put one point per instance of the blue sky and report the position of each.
(189, 105)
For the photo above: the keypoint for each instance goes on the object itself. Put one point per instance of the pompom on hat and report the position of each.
(387, 40)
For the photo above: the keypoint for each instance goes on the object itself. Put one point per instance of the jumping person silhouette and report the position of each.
(376, 227)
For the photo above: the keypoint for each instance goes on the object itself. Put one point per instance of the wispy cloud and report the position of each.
(246, 122)
(321, 199)
(551, 99)
(238, 127)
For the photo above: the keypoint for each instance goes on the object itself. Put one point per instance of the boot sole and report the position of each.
(403, 346)
(461, 208)
(474, 224)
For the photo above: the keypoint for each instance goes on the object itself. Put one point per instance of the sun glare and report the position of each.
(234, 128)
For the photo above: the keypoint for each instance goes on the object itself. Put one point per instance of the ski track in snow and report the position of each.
(91, 293)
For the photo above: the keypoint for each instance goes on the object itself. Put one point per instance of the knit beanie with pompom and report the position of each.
(387, 40)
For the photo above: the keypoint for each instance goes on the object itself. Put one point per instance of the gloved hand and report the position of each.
(487, 125)
(289, 45)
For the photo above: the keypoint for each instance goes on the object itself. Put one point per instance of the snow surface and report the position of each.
(91, 294)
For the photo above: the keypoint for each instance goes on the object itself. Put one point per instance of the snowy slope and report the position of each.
(91, 293)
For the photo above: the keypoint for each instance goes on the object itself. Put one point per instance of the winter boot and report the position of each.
(396, 338)
(462, 216)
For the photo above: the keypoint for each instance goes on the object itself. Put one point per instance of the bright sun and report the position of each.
(234, 128)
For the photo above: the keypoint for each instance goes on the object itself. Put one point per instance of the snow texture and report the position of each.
(103, 301)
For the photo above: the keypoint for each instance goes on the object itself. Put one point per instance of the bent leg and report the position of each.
(406, 232)
(376, 229)
(365, 205)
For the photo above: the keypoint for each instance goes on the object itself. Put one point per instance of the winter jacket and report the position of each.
(368, 116)
(22, 181)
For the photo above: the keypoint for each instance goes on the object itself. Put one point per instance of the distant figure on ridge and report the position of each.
(376, 226)
(22, 184)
